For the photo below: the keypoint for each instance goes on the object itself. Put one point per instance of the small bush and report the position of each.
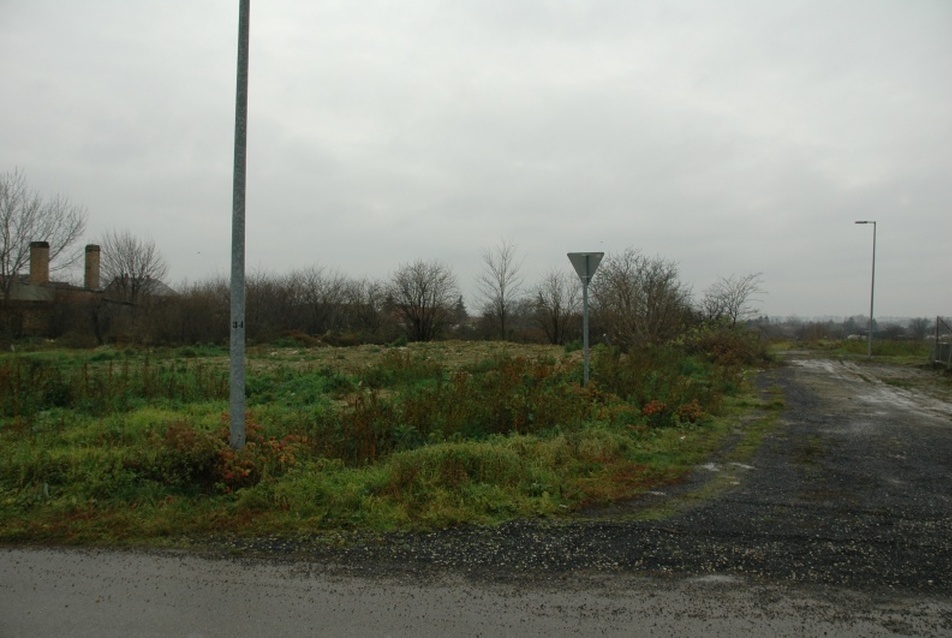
(189, 458)
(261, 457)
(657, 413)
(453, 465)
(726, 346)
(659, 379)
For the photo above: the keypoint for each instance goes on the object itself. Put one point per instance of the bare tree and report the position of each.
(919, 327)
(269, 303)
(322, 295)
(500, 282)
(557, 301)
(199, 314)
(133, 268)
(640, 300)
(364, 303)
(731, 299)
(423, 294)
(26, 216)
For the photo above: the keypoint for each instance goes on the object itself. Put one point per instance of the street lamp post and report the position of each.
(872, 292)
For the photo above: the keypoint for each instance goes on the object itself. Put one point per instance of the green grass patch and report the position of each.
(132, 447)
(898, 351)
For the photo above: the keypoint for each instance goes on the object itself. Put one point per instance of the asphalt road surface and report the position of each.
(839, 525)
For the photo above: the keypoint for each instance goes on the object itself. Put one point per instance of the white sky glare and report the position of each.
(731, 137)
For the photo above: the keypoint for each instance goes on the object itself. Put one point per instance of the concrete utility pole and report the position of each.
(585, 265)
(237, 398)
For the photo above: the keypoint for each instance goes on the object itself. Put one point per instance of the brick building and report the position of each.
(36, 306)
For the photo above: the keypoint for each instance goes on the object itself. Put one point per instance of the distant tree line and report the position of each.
(795, 328)
(635, 300)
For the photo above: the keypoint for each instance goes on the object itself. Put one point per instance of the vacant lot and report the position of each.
(839, 523)
(131, 447)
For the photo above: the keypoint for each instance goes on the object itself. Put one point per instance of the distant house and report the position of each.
(30, 308)
(36, 286)
(127, 289)
(37, 306)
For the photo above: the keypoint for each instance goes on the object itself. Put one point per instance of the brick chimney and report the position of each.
(91, 279)
(39, 263)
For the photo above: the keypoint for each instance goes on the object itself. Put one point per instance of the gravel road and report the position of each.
(838, 525)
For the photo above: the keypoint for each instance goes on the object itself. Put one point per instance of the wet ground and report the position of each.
(839, 524)
(853, 488)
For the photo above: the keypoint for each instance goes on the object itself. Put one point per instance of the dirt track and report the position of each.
(841, 522)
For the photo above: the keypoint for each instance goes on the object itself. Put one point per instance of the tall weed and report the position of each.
(665, 383)
(32, 385)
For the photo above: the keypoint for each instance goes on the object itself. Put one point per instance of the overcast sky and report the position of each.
(730, 137)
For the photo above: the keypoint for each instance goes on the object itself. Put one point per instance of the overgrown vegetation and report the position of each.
(131, 446)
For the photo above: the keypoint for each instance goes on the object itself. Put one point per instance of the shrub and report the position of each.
(187, 458)
(191, 459)
(690, 412)
(657, 413)
(726, 346)
(661, 377)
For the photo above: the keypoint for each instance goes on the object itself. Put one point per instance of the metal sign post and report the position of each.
(872, 292)
(585, 265)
